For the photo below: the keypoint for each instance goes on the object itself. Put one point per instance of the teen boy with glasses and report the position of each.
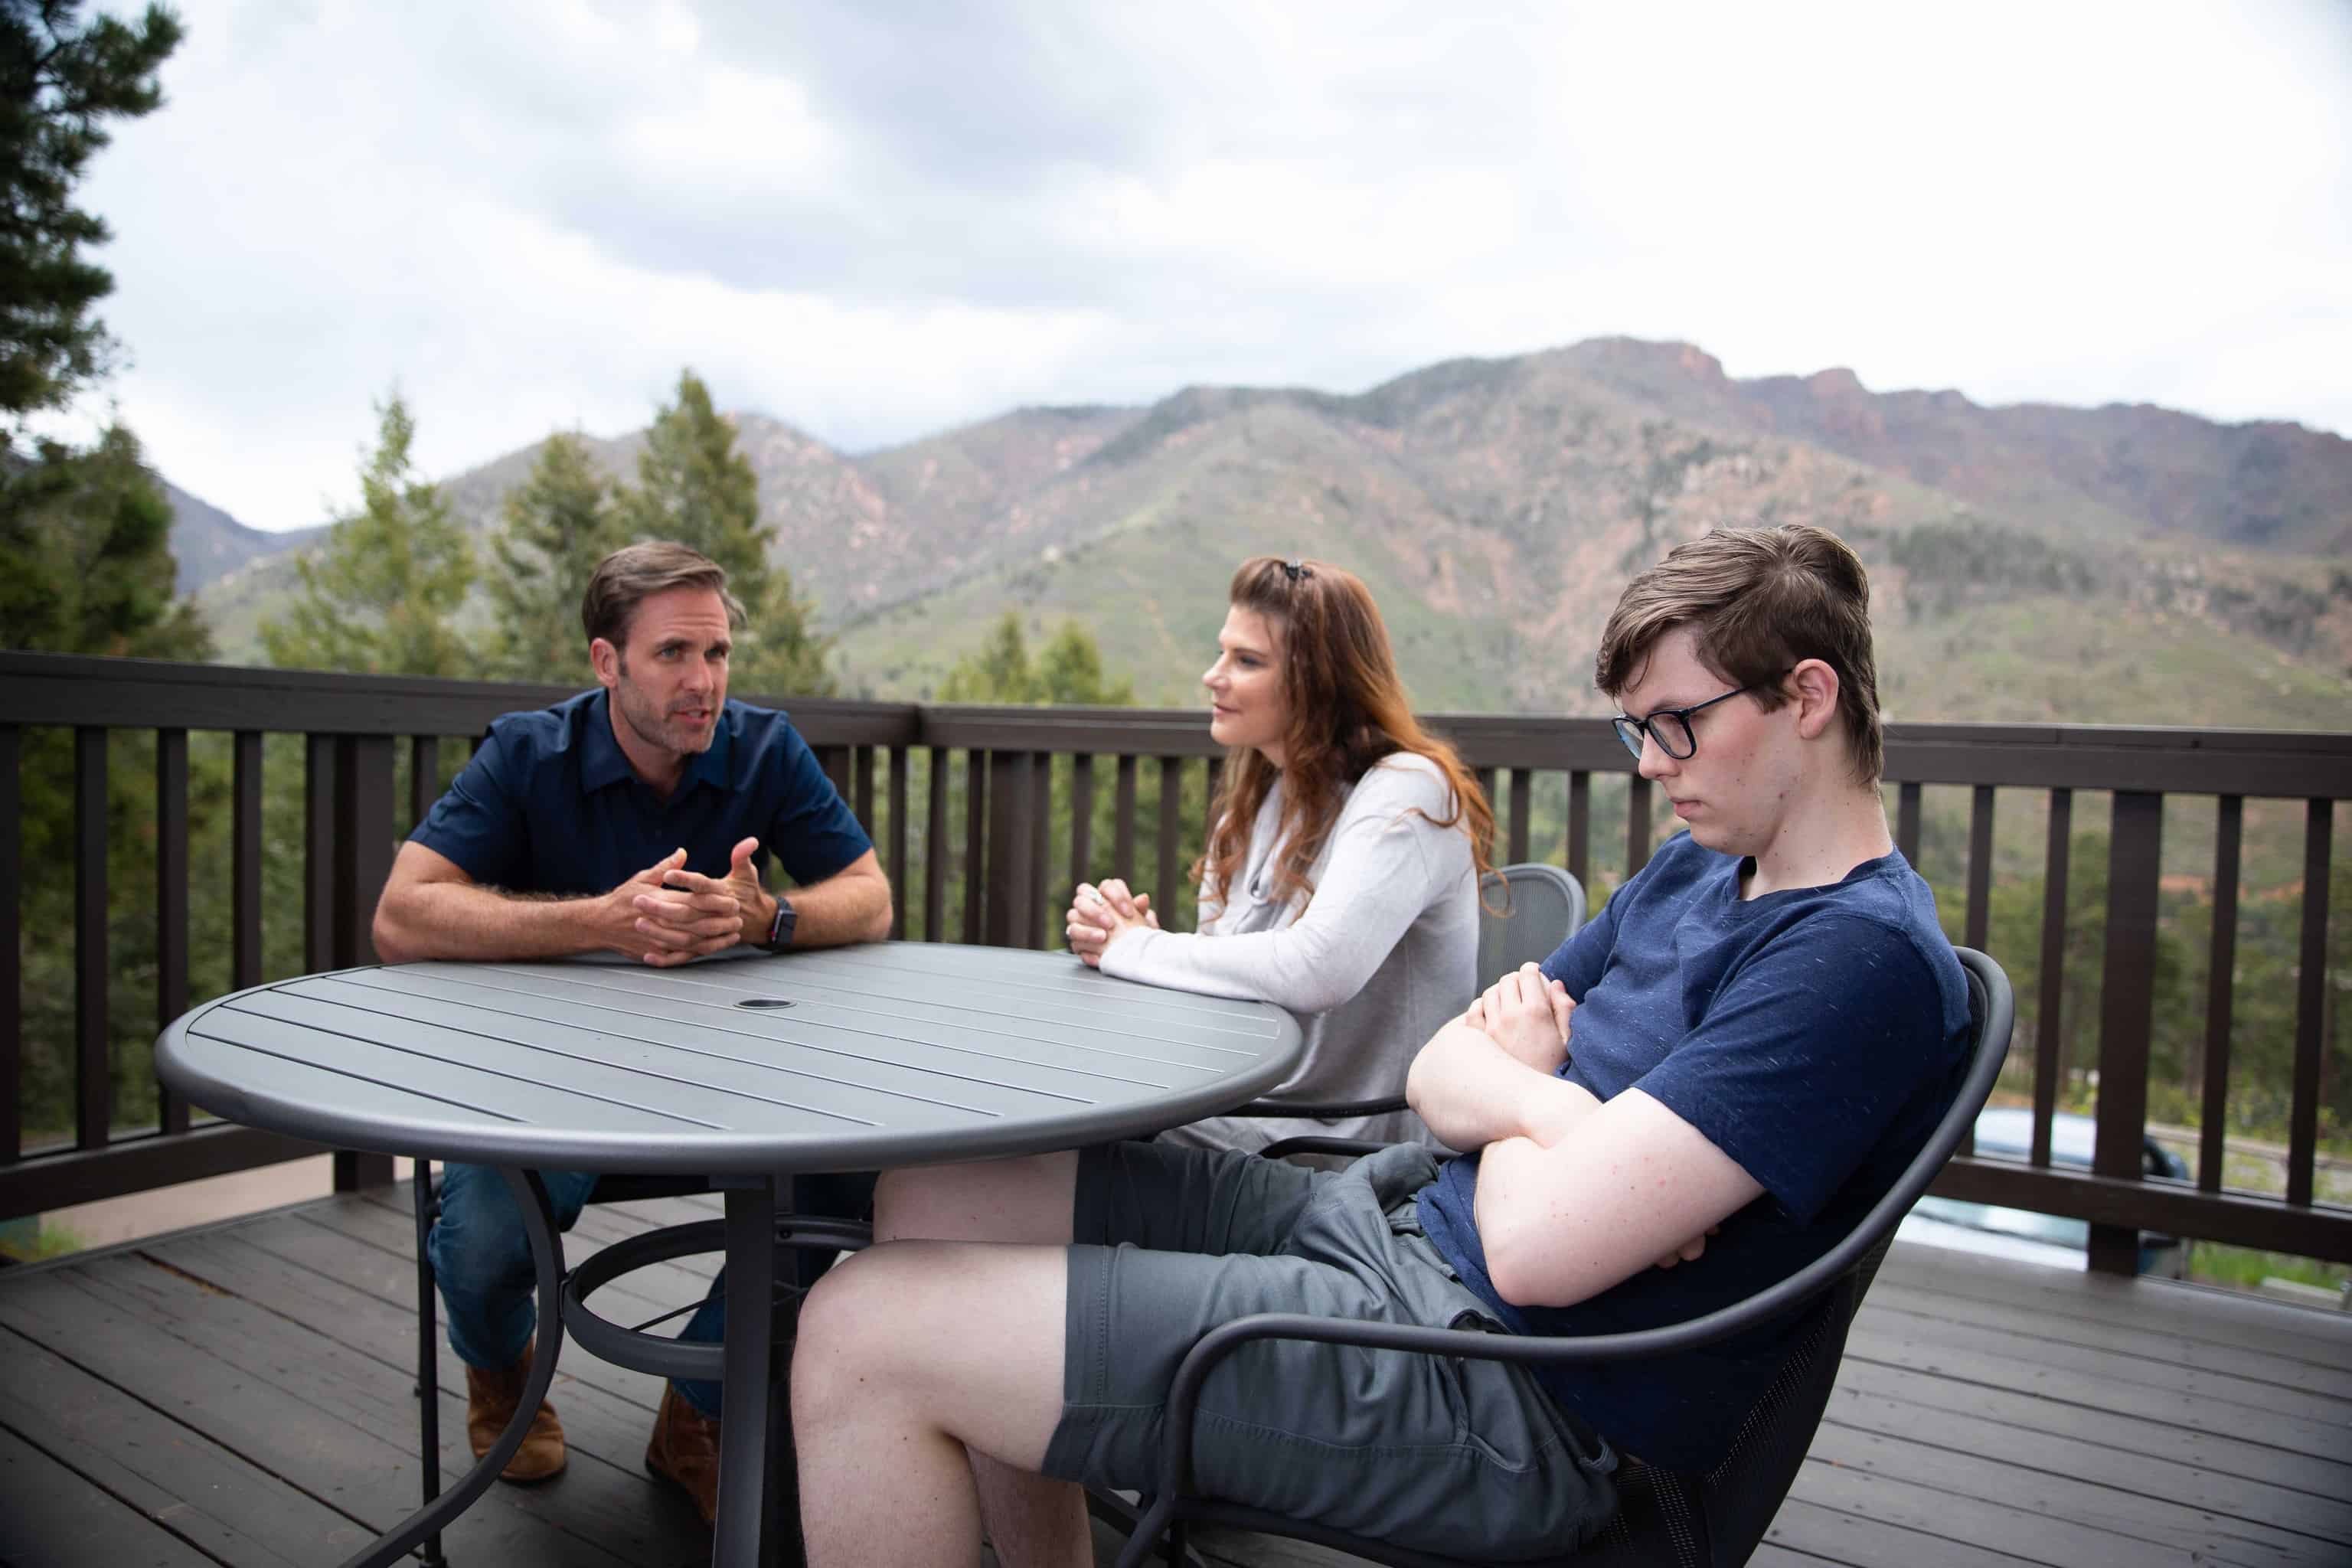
(1767, 1023)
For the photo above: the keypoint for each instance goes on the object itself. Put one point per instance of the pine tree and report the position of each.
(381, 596)
(694, 487)
(1069, 673)
(60, 84)
(86, 557)
(85, 535)
(554, 528)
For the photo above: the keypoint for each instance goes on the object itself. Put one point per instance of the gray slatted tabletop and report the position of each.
(849, 1058)
(745, 1071)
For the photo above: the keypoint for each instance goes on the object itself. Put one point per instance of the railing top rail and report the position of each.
(68, 690)
(134, 693)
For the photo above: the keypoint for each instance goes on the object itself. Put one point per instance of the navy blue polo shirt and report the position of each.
(550, 803)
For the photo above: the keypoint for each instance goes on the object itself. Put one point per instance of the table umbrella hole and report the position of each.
(763, 1001)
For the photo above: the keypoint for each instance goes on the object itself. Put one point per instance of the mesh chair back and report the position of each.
(1715, 1519)
(1695, 1522)
(1526, 911)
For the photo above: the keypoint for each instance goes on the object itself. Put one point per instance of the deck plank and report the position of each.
(2134, 1474)
(51, 1516)
(242, 1396)
(233, 1510)
(1895, 1299)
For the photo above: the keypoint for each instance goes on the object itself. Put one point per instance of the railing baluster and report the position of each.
(1122, 843)
(244, 862)
(835, 761)
(975, 829)
(1906, 822)
(1172, 805)
(12, 973)
(1579, 828)
(364, 842)
(362, 859)
(1082, 821)
(2310, 1002)
(2220, 993)
(171, 901)
(2127, 1010)
(2049, 1039)
(1010, 779)
(896, 855)
(1523, 790)
(861, 767)
(937, 856)
(1637, 825)
(1979, 915)
(1486, 786)
(424, 778)
(93, 1074)
(318, 853)
(1039, 927)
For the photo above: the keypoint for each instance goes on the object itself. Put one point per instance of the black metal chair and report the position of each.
(608, 1190)
(1688, 1520)
(813, 1239)
(1524, 912)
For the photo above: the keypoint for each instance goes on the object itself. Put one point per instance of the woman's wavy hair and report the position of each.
(1347, 710)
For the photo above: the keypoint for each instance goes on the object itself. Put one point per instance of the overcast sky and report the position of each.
(878, 221)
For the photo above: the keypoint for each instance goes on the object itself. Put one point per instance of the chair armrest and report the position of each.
(1471, 1344)
(1311, 1143)
(1327, 1111)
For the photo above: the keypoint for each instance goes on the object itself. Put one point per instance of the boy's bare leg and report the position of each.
(1026, 1200)
(1030, 1518)
(910, 1357)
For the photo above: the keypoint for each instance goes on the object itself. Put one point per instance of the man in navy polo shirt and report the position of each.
(633, 819)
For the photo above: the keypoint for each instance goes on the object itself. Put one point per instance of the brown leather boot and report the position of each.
(685, 1451)
(491, 1401)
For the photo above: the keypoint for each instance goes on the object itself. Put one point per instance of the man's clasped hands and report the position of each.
(672, 915)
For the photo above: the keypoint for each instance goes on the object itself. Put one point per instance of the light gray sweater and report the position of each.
(1386, 952)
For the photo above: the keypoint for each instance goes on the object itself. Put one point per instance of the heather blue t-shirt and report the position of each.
(1814, 1036)
(550, 803)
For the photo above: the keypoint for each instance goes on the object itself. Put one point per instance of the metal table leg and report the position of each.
(740, 1537)
(539, 1226)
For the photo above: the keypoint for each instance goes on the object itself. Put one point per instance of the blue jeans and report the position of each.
(481, 1257)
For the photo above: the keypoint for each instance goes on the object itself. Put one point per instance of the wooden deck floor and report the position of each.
(241, 1395)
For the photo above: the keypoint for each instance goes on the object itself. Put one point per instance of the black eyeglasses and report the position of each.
(1671, 727)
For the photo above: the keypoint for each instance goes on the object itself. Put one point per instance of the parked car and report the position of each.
(2006, 1132)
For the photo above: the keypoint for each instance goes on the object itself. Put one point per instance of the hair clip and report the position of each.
(1294, 570)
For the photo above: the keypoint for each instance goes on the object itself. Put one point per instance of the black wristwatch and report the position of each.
(779, 930)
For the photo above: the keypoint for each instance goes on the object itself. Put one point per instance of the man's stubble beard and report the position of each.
(652, 727)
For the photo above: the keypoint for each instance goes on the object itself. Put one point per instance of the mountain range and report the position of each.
(2121, 563)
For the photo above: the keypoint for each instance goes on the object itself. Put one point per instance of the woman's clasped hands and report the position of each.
(1099, 915)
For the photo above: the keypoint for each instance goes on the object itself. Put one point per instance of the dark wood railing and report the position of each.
(999, 875)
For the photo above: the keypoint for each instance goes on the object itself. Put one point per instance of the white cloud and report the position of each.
(531, 216)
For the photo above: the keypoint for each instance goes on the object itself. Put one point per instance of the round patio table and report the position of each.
(744, 1070)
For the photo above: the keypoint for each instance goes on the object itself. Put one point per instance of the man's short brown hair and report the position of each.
(629, 576)
(1759, 601)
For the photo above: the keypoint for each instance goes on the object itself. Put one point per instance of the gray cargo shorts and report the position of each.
(1470, 1458)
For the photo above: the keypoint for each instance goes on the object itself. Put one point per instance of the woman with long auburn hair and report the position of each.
(1340, 878)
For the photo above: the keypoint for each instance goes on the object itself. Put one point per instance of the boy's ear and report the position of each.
(1815, 686)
